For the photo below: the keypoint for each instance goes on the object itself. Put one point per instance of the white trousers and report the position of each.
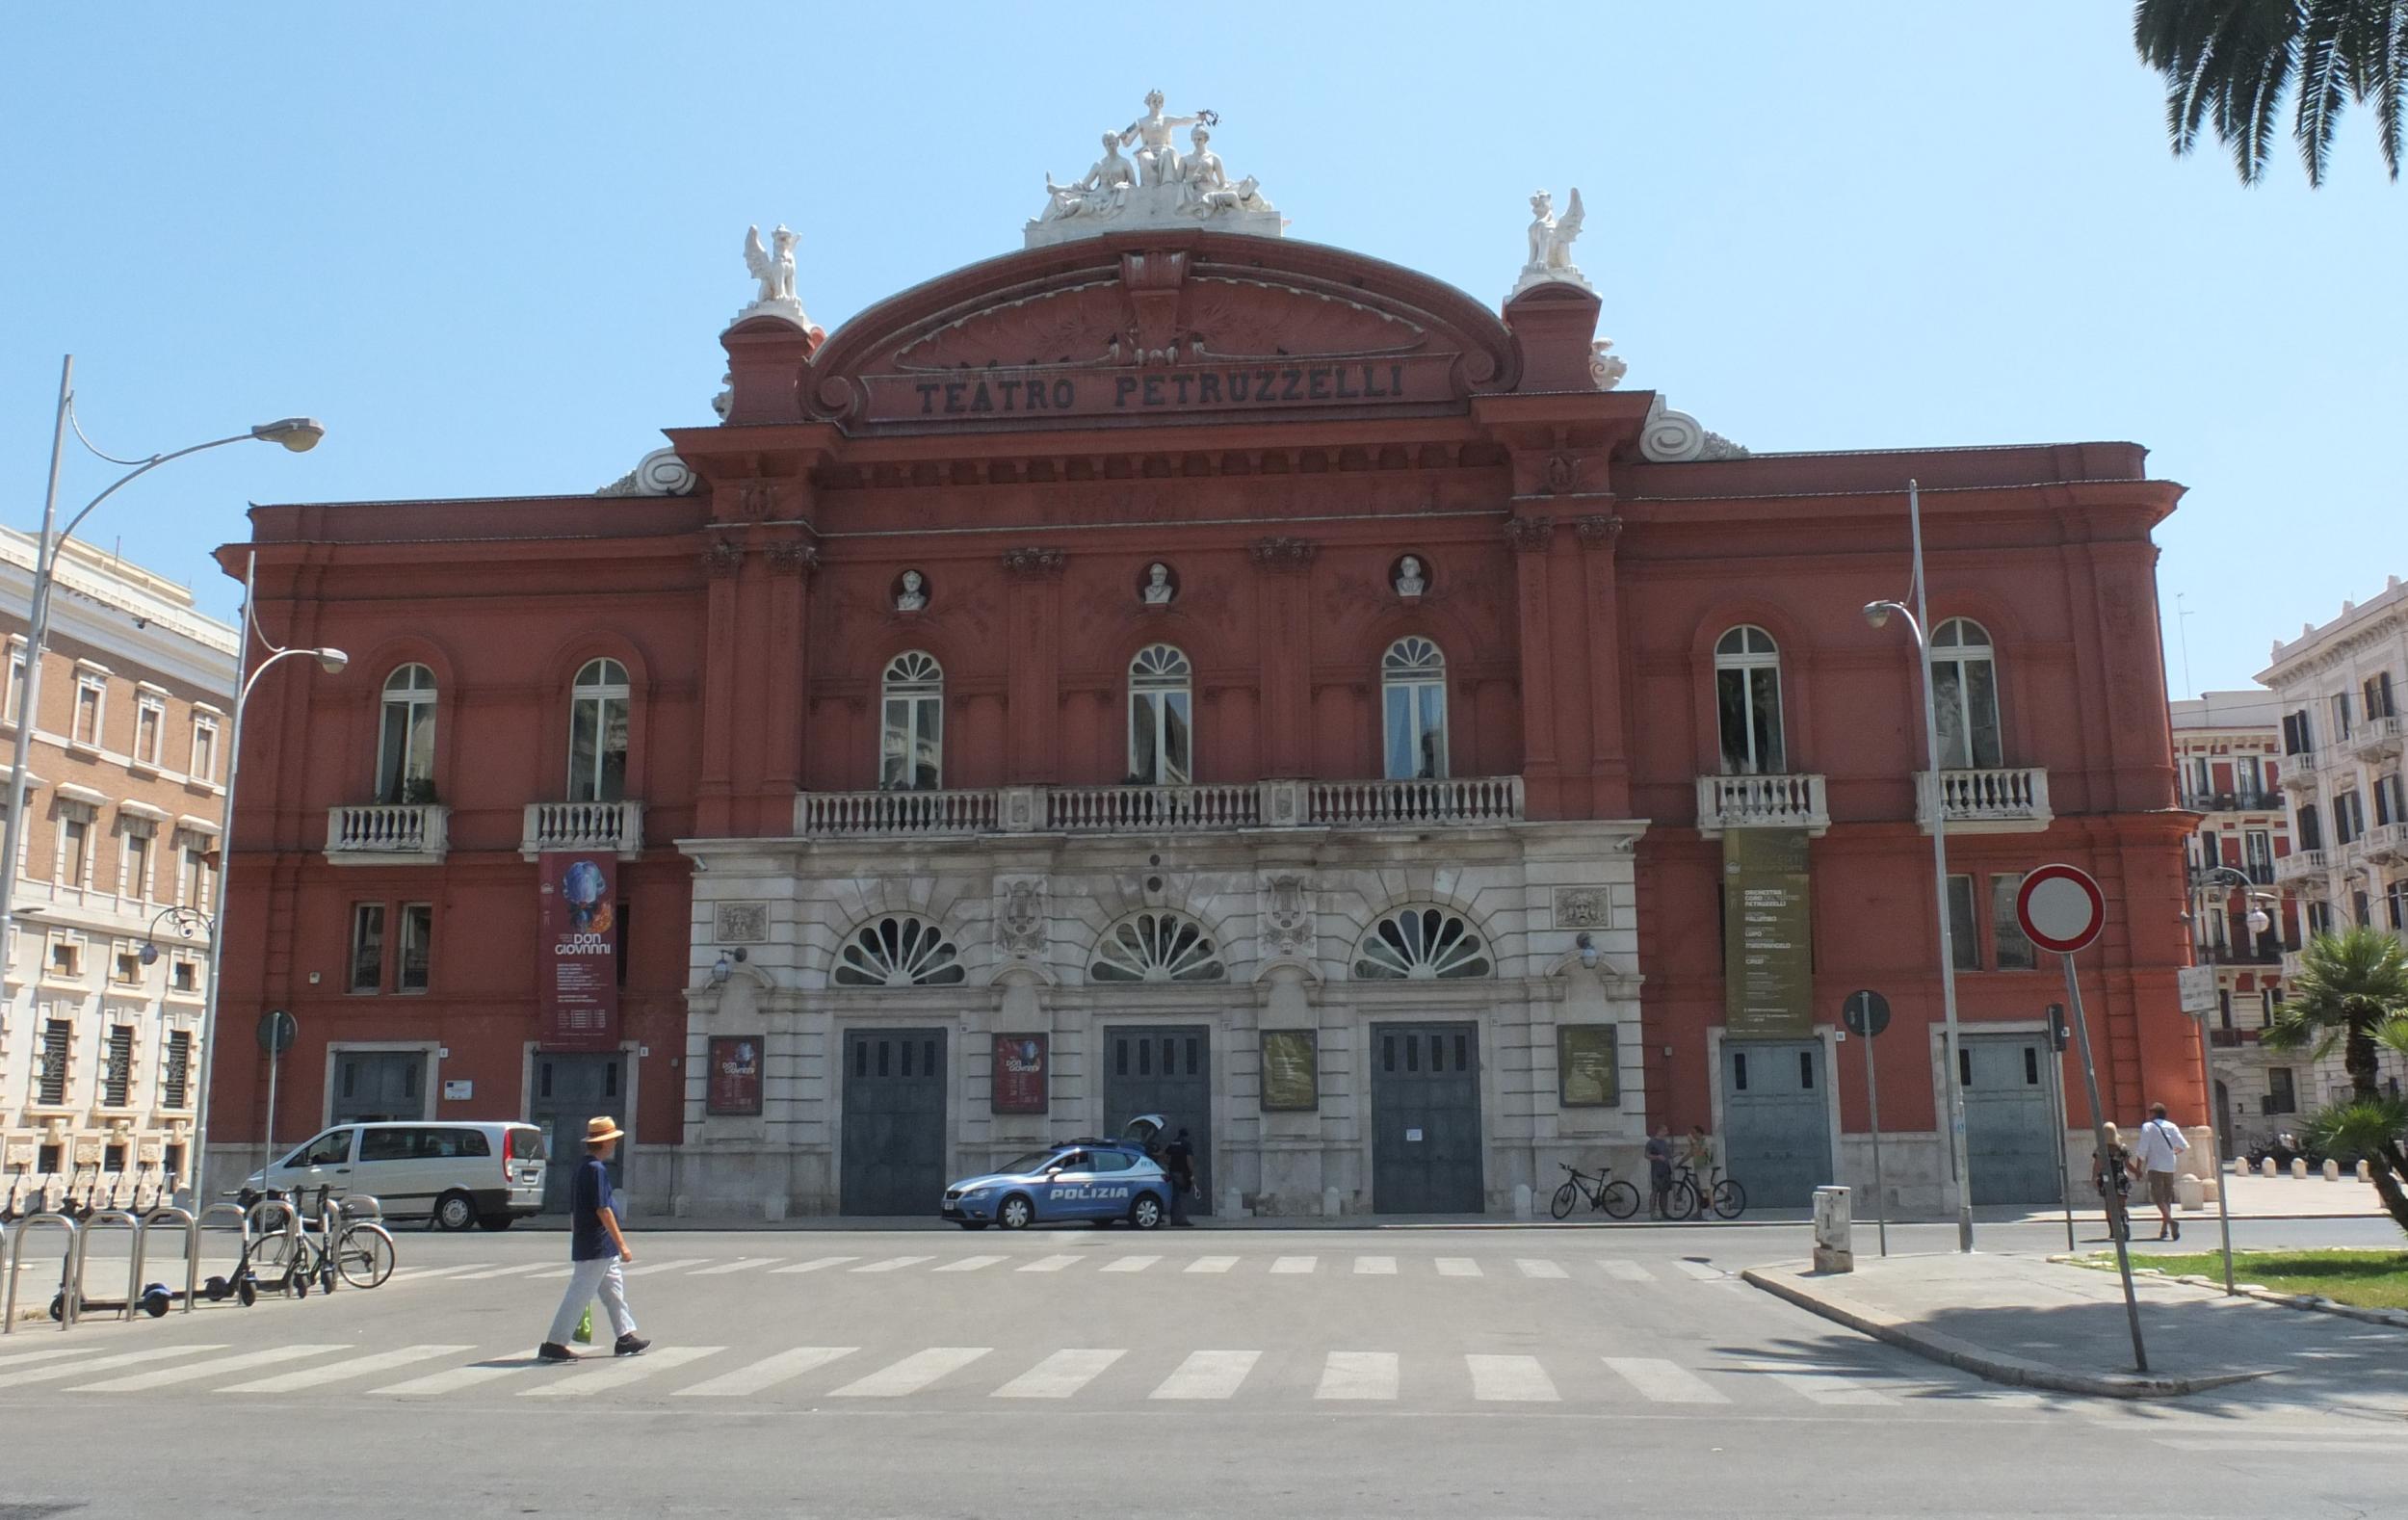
(599, 1277)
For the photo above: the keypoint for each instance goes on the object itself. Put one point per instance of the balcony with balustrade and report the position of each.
(2299, 772)
(2379, 739)
(388, 834)
(1996, 800)
(2302, 869)
(593, 827)
(1454, 802)
(1761, 801)
(2385, 844)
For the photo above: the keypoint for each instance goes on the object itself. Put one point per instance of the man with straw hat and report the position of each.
(596, 1247)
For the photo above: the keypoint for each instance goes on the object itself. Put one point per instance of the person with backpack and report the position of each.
(2161, 1145)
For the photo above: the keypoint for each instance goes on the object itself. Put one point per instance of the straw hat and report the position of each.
(602, 1127)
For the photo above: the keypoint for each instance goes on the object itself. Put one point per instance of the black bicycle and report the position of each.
(1688, 1198)
(1617, 1198)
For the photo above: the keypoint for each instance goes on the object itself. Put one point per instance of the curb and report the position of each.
(2314, 1303)
(2014, 1371)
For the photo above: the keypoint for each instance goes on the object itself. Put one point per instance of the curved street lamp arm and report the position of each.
(127, 479)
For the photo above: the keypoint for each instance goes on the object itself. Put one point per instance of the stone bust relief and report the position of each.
(1157, 589)
(913, 594)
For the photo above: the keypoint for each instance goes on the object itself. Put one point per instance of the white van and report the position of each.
(459, 1174)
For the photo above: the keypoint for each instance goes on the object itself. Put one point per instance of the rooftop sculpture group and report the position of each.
(1155, 187)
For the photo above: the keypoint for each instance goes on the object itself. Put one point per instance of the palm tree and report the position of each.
(2229, 63)
(2352, 991)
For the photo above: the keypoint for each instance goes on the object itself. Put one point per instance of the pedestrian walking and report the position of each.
(1179, 1162)
(596, 1247)
(2161, 1144)
(1697, 1154)
(1658, 1170)
(2111, 1174)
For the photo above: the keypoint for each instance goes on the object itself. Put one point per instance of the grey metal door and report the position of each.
(894, 1148)
(570, 1089)
(1426, 1133)
(372, 1085)
(2010, 1117)
(1165, 1069)
(1777, 1121)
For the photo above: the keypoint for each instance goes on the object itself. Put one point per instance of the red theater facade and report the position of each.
(1192, 672)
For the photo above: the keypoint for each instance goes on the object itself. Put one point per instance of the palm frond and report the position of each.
(2228, 63)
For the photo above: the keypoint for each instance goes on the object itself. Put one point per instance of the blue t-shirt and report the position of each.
(588, 1196)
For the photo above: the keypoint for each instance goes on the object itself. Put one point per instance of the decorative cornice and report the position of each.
(1530, 535)
(1035, 562)
(1289, 556)
(1598, 530)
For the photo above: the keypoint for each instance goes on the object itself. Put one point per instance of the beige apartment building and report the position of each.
(101, 1044)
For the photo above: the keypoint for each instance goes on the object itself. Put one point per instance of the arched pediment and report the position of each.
(1152, 328)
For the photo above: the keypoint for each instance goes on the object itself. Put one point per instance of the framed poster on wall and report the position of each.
(1585, 1074)
(735, 1086)
(1019, 1074)
(1292, 1080)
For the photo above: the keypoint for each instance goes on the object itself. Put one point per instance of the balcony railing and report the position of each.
(389, 833)
(2386, 842)
(2243, 801)
(2299, 772)
(1470, 801)
(2008, 799)
(614, 826)
(2301, 866)
(2378, 738)
(1761, 801)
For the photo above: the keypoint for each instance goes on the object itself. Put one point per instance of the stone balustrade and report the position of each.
(389, 833)
(1470, 801)
(1996, 799)
(1761, 801)
(614, 826)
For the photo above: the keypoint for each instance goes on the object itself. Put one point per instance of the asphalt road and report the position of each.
(1393, 1373)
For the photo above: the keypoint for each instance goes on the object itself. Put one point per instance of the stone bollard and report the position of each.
(2189, 1193)
(2332, 1171)
(1835, 1250)
(2299, 1167)
(1334, 1203)
(1520, 1200)
(2265, 1167)
(774, 1208)
(2365, 1175)
(2212, 1192)
(1231, 1204)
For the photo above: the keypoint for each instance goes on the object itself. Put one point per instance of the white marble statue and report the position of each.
(1102, 192)
(1157, 160)
(1551, 239)
(914, 594)
(1606, 367)
(1158, 588)
(773, 266)
(1206, 185)
(1409, 578)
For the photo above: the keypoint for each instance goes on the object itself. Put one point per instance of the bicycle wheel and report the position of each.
(1730, 1199)
(1680, 1200)
(1566, 1196)
(365, 1256)
(1621, 1199)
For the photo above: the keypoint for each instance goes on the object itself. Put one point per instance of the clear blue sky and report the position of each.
(492, 246)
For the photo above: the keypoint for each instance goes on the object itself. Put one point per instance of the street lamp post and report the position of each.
(2259, 921)
(300, 435)
(1917, 620)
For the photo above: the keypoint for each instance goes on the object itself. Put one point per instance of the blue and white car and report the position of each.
(1098, 1180)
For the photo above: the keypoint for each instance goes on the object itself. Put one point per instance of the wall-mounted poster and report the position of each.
(1585, 1074)
(735, 1075)
(1019, 1073)
(578, 943)
(1768, 968)
(1291, 1070)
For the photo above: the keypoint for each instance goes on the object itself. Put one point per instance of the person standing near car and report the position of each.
(597, 1246)
(2161, 1145)
(1179, 1164)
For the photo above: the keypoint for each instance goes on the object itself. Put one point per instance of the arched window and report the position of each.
(911, 738)
(405, 741)
(1157, 946)
(1965, 696)
(597, 733)
(1747, 699)
(1418, 944)
(901, 949)
(1413, 691)
(1161, 743)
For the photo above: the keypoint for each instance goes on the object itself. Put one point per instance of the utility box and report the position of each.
(1835, 1228)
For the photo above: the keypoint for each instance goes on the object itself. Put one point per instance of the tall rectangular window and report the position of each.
(2014, 952)
(2281, 1096)
(175, 1070)
(74, 852)
(2249, 781)
(2342, 708)
(116, 1076)
(367, 947)
(2319, 918)
(2390, 800)
(1964, 931)
(417, 947)
(137, 865)
(2257, 852)
(2311, 827)
(204, 747)
(150, 729)
(90, 693)
(2349, 816)
(58, 1038)
(2395, 903)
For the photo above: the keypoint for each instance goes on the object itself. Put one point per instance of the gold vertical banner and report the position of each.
(1768, 960)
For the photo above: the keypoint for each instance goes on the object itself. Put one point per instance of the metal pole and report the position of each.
(225, 873)
(1872, 1101)
(37, 632)
(2098, 1132)
(2064, 1122)
(276, 1058)
(2215, 1156)
(1937, 812)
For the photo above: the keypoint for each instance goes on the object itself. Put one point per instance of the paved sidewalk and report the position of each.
(2027, 1321)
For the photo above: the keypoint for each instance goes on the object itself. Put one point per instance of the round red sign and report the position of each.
(2060, 909)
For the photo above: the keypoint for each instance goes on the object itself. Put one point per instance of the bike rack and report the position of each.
(117, 1218)
(168, 1215)
(200, 1225)
(256, 1228)
(17, 1249)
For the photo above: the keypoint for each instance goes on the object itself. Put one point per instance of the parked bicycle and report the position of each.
(338, 1240)
(1686, 1198)
(1617, 1198)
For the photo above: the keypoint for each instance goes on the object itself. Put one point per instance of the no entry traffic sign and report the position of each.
(2060, 909)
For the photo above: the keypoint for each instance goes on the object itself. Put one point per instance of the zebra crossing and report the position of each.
(842, 1375)
(1590, 1269)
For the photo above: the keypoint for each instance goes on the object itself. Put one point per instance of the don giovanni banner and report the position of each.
(577, 947)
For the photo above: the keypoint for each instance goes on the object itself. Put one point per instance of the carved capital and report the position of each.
(1286, 555)
(794, 559)
(725, 557)
(1598, 530)
(1530, 535)
(1035, 564)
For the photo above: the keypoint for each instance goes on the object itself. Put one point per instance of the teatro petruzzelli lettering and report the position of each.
(1225, 385)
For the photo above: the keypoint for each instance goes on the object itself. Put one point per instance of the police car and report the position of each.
(1101, 1180)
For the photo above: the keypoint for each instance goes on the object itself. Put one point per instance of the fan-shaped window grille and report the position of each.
(1157, 946)
(1421, 944)
(899, 951)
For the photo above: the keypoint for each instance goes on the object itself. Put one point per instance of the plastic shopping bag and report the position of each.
(585, 1327)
